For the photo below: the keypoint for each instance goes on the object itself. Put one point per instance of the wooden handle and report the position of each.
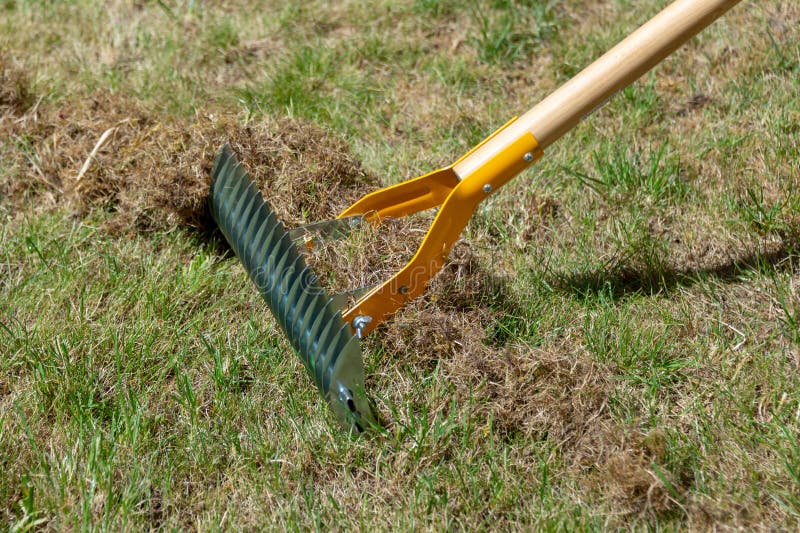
(636, 54)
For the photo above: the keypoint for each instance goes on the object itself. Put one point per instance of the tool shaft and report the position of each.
(591, 88)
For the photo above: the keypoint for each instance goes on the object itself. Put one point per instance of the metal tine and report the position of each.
(221, 165)
(243, 218)
(274, 253)
(320, 346)
(261, 249)
(304, 300)
(237, 194)
(311, 315)
(226, 197)
(245, 210)
(243, 195)
(251, 218)
(311, 335)
(288, 290)
(262, 253)
(333, 354)
(221, 158)
(251, 223)
(238, 199)
(276, 271)
(296, 297)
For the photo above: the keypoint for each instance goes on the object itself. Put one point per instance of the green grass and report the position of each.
(631, 360)
(651, 178)
(510, 31)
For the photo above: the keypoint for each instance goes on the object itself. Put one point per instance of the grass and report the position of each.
(615, 345)
(628, 177)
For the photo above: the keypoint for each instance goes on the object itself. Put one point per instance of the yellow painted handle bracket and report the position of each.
(458, 197)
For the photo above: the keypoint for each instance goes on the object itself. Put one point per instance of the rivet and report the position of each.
(528, 157)
(487, 188)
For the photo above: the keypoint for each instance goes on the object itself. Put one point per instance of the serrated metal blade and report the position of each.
(307, 315)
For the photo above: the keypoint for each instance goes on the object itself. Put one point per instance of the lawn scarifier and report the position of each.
(321, 329)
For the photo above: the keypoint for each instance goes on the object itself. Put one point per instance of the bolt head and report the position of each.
(487, 188)
(361, 320)
(359, 323)
(528, 157)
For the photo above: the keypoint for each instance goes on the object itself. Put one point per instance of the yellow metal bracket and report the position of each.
(457, 199)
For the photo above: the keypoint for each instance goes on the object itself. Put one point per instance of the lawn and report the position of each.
(614, 343)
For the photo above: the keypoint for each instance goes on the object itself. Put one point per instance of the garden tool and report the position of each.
(321, 328)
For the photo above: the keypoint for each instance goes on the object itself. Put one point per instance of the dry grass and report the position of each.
(15, 90)
(112, 154)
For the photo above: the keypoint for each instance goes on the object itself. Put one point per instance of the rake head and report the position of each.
(323, 333)
(309, 317)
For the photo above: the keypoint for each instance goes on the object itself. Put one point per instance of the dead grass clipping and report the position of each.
(111, 153)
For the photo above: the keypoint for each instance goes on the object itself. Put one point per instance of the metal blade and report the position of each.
(342, 299)
(337, 228)
(308, 316)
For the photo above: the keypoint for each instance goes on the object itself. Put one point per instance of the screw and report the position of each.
(528, 157)
(403, 289)
(487, 188)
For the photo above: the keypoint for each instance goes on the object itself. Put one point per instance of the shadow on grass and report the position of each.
(622, 279)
